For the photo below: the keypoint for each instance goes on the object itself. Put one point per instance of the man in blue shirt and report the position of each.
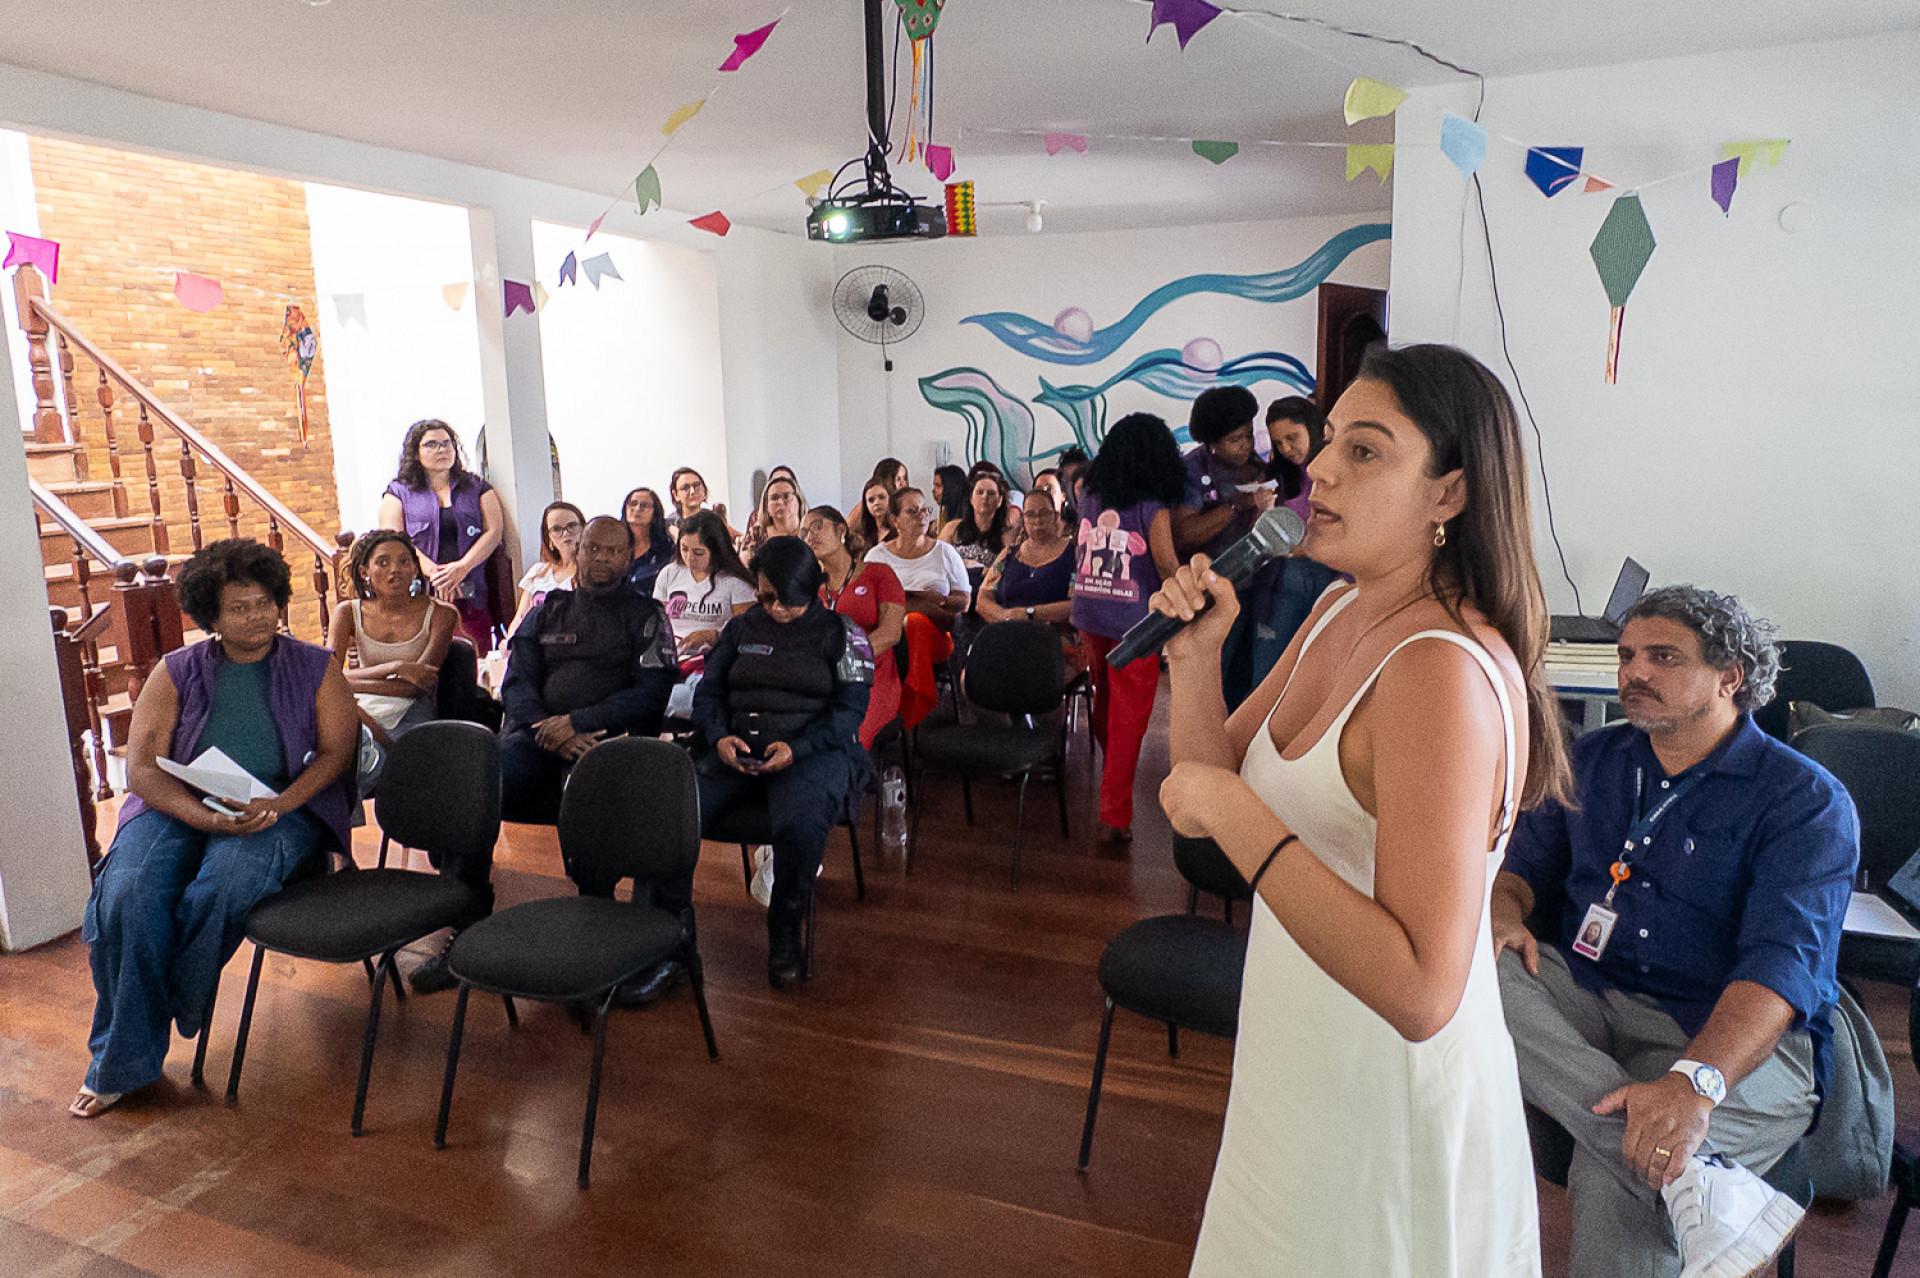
(1673, 1012)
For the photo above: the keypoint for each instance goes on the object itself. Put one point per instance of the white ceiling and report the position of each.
(575, 91)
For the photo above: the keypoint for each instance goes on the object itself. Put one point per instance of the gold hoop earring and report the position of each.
(1439, 535)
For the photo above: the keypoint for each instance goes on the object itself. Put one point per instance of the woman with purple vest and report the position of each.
(453, 518)
(174, 889)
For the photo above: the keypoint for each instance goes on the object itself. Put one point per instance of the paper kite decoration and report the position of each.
(1187, 17)
(1620, 252)
(1367, 98)
(960, 214)
(745, 46)
(518, 296)
(31, 251)
(1379, 158)
(1216, 152)
(1464, 142)
(940, 161)
(681, 116)
(814, 183)
(922, 16)
(454, 295)
(1768, 149)
(1058, 142)
(1553, 168)
(715, 222)
(1726, 176)
(569, 271)
(601, 268)
(301, 345)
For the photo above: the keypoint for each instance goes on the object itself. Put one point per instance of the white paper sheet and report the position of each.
(215, 773)
(1868, 915)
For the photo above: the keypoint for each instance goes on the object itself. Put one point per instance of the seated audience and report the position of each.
(980, 534)
(560, 526)
(892, 472)
(1674, 1011)
(1125, 549)
(785, 690)
(653, 541)
(1227, 489)
(1283, 595)
(950, 489)
(172, 896)
(935, 581)
(397, 634)
(704, 589)
(874, 523)
(1034, 580)
(453, 518)
(782, 506)
(689, 493)
(1073, 471)
(1048, 481)
(589, 663)
(870, 596)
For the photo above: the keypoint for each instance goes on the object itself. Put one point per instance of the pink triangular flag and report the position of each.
(1596, 184)
(1058, 142)
(715, 222)
(197, 292)
(745, 46)
(43, 254)
(940, 161)
(595, 225)
(519, 296)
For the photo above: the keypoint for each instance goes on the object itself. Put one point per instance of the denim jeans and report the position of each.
(166, 914)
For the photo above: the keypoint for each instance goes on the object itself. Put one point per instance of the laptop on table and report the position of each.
(1605, 628)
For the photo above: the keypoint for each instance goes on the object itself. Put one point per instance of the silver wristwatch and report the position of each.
(1029, 612)
(1707, 1081)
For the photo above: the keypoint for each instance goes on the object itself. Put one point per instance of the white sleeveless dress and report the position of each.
(1348, 1150)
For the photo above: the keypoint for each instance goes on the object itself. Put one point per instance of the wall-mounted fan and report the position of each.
(880, 305)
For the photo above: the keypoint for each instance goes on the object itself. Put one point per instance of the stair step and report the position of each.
(56, 463)
(132, 537)
(89, 498)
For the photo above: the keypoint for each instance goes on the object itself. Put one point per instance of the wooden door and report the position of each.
(1351, 319)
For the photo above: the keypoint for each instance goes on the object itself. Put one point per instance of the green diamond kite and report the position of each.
(1621, 248)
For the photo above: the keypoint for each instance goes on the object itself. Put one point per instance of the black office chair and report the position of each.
(1826, 674)
(1015, 670)
(1206, 869)
(457, 690)
(1553, 1156)
(440, 792)
(749, 824)
(631, 809)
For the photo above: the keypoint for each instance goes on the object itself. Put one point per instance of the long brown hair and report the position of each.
(1487, 562)
(548, 551)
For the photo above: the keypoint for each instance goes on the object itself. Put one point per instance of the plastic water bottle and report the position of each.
(893, 812)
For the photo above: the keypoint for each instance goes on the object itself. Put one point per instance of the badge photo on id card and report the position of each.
(1595, 930)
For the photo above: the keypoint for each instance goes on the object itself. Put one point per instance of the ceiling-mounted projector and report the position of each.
(870, 207)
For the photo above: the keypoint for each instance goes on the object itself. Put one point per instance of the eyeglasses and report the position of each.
(435, 444)
(689, 486)
(566, 529)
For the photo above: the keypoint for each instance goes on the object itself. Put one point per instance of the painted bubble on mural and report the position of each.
(1074, 324)
(1202, 353)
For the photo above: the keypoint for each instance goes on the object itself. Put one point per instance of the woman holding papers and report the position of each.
(174, 890)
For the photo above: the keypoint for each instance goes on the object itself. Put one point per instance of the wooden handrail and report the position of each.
(97, 547)
(322, 547)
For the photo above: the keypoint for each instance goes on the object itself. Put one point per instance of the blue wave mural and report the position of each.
(1041, 340)
(999, 424)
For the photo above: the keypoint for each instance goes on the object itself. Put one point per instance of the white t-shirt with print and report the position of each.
(940, 570)
(698, 605)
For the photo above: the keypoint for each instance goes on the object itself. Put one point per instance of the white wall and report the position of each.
(414, 357)
(19, 211)
(1762, 438)
(632, 368)
(1104, 273)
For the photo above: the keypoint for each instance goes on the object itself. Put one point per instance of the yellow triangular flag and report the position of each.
(1768, 149)
(814, 183)
(1378, 158)
(681, 116)
(455, 295)
(539, 296)
(1367, 98)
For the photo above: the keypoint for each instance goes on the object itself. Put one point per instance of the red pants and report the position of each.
(1122, 706)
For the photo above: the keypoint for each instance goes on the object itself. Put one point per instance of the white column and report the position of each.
(513, 379)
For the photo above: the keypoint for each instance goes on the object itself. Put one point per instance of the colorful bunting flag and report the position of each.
(1620, 253)
(715, 222)
(454, 295)
(1058, 142)
(31, 251)
(1378, 158)
(646, 189)
(198, 292)
(1596, 184)
(1187, 17)
(1768, 149)
(599, 268)
(569, 271)
(594, 226)
(1217, 152)
(681, 116)
(1553, 168)
(540, 296)
(1367, 98)
(922, 16)
(1463, 141)
(960, 210)
(745, 46)
(519, 297)
(814, 183)
(348, 308)
(940, 161)
(1726, 176)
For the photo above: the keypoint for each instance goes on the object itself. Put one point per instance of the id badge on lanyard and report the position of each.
(1596, 929)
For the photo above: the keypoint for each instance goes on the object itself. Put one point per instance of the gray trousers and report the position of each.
(1574, 1047)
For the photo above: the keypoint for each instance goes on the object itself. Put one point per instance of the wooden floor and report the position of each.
(914, 1110)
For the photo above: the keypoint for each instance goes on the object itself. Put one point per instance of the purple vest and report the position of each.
(295, 670)
(420, 511)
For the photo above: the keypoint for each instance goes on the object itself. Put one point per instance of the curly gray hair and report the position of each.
(1729, 636)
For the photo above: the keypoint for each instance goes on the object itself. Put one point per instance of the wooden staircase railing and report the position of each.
(158, 428)
(81, 645)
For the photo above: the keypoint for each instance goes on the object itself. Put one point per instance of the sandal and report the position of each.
(92, 1104)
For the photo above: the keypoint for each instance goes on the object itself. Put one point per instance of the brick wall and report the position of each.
(125, 223)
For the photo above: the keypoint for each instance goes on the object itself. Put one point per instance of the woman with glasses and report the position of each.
(454, 520)
(560, 526)
(869, 595)
(785, 689)
(1033, 581)
(653, 541)
(688, 494)
(782, 507)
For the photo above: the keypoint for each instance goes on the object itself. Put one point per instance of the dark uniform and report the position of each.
(603, 658)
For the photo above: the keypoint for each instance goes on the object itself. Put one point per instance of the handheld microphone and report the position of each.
(1273, 534)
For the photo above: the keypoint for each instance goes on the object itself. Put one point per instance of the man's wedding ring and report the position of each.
(1664, 1153)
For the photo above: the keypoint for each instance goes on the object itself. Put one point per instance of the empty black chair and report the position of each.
(631, 809)
(1206, 869)
(1015, 670)
(1824, 673)
(457, 691)
(440, 792)
(1880, 767)
(748, 824)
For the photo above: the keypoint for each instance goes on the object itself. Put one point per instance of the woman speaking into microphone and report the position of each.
(1366, 789)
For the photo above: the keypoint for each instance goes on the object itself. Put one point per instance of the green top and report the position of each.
(241, 722)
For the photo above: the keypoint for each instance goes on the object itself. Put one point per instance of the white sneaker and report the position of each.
(762, 886)
(1728, 1222)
